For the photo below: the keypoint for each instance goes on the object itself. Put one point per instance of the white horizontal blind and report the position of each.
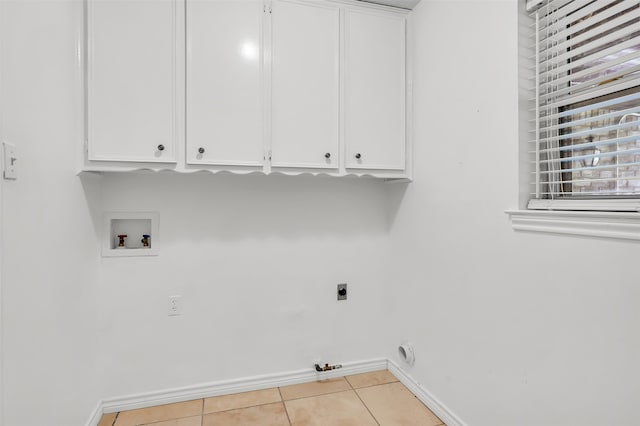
(586, 135)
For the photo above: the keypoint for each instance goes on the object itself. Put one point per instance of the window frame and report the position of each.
(608, 92)
(612, 218)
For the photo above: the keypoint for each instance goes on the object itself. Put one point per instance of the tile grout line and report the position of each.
(365, 406)
(242, 408)
(285, 406)
(167, 420)
(283, 402)
(410, 392)
(246, 406)
(379, 384)
(320, 394)
(350, 385)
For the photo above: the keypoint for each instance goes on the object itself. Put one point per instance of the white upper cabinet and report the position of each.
(131, 80)
(375, 90)
(224, 97)
(305, 92)
(291, 86)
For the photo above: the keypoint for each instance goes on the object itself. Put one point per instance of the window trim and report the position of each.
(590, 204)
(612, 219)
(610, 225)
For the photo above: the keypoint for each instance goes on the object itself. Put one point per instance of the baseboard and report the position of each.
(206, 390)
(438, 408)
(96, 415)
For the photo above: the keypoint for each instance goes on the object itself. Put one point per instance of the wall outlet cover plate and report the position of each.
(342, 291)
(10, 159)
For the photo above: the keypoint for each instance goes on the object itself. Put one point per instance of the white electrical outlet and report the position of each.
(175, 306)
(10, 159)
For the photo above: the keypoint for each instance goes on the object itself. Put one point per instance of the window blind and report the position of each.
(585, 142)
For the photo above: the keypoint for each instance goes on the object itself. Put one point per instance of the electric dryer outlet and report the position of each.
(342, 291)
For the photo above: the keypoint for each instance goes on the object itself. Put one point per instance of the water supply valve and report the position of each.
(121, 242)
(327, 367)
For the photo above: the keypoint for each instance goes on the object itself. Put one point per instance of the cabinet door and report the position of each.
(305, 85)
(131, 80)
(224, 82)
(375, 90)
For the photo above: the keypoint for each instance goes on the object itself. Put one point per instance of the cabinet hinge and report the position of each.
(266, 8)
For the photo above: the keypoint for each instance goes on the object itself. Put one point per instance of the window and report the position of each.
(585, 149)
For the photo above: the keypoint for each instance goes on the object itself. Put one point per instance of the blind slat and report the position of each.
(624, 74)
(555, 10)
(593, 194)
(594, 131)
(589, 120)
(587, 85)
(631, 58)
(594, 168)
(571, 24)
(595, 106)
(591, 145)
(552, 73)
(616, 86)
(592, 156)
(555, 41)
(598, 180)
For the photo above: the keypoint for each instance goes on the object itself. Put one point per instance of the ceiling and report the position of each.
(405, 4)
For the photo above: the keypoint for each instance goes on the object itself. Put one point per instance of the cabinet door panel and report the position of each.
(131, 80)
(224, 86)
(305, 85)
(375, 91)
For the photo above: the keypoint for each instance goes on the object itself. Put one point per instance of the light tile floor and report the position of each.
(376, 398)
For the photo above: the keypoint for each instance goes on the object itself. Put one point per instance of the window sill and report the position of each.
(610, 225)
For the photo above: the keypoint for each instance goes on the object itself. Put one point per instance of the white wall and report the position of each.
(257, 260)
(508, 328)
(50, 250)
(1, 239)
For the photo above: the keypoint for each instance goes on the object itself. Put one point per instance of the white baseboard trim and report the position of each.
(96, 415)
(438, 408)
(207, 390)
